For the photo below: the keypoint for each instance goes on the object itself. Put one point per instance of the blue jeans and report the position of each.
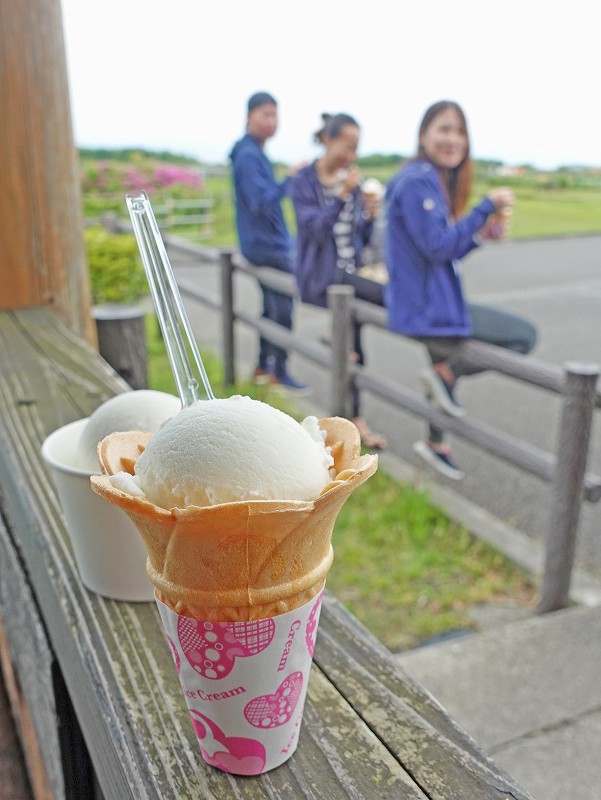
(490, 325)
(277, 307)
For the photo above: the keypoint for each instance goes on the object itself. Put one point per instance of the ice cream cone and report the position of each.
(239, 561)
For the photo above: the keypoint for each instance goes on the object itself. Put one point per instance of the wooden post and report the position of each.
(339, 302)
(572, 451)
(42, 258)
(227, 317)
(122, 341)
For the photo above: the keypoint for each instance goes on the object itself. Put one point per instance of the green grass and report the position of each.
(540, 211)
(408, 572)
(556, 212)
(548, 204)
(401, 566)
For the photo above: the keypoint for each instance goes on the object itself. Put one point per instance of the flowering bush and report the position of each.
(105, 178)
(116, 274)
(169, 174)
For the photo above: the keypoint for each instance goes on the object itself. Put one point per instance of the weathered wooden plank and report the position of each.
(16, 778)
(346, 746)
(28, 671)
(442, 759)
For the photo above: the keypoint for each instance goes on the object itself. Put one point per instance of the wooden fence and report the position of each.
(176, 213)
(565, 470)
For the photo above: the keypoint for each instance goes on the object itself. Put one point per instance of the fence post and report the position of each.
(122, 341)
(227, 316)
(340, 299)
(572, 452)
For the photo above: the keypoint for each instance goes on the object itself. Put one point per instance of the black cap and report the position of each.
(260, 99)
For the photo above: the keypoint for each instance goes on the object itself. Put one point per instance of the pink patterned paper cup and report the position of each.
(245, 684)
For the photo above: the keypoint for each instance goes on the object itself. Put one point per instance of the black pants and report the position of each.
(490, 325)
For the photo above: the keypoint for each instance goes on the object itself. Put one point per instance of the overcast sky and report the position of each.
(176, 74)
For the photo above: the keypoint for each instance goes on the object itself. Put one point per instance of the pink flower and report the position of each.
(168, 174)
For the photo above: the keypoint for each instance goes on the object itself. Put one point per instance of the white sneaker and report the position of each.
(440, 393)
(442, 462)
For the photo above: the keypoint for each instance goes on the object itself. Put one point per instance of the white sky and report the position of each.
(176, 74)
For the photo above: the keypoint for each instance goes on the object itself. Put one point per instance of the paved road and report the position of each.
(556, 284)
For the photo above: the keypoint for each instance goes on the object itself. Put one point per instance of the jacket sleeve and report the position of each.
(259, 189)
(311, 218)
(434, 237)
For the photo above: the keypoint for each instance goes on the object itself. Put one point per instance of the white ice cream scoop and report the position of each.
(142, 410)
(228, 450)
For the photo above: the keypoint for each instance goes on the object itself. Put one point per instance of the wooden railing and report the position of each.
(565, 470)
(169, 215)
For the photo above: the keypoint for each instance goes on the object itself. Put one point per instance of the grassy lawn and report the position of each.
(408, 572)
(401, 566)
(540, 211)
(556, 212)
(548, 204)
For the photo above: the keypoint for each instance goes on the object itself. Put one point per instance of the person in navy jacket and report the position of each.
(262, 232)
(333, 224)
(427, 234)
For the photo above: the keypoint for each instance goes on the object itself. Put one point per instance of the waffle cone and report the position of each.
(239, 561)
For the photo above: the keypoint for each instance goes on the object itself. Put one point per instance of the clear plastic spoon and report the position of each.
(170, 310)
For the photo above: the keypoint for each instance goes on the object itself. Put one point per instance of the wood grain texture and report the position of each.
(443, 760)
(43, 259)
(14, 783)
(27, 663)
(368, 731)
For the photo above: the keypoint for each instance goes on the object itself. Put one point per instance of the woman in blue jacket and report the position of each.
(428, 232)
(333, 223)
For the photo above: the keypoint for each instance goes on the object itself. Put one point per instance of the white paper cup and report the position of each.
(109, 551)
(245, 684)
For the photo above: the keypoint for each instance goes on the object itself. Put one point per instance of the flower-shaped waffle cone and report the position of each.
(238, 561)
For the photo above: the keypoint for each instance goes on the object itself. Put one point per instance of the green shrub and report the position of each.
(116, 273)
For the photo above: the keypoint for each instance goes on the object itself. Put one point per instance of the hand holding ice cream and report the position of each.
(372, 192)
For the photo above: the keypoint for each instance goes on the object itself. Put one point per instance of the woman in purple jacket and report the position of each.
(428, 232)
(333, 222)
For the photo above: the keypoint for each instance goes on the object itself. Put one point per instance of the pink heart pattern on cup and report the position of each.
(211, 648)
(311, 629)
(273, 710)
(235, 754)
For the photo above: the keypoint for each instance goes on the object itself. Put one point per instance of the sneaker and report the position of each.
(440, 392)
(443, 462)
(290, 384)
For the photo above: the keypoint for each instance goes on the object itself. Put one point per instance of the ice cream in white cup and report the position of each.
(110, 556)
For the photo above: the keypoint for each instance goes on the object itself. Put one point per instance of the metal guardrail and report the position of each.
(565, 469)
